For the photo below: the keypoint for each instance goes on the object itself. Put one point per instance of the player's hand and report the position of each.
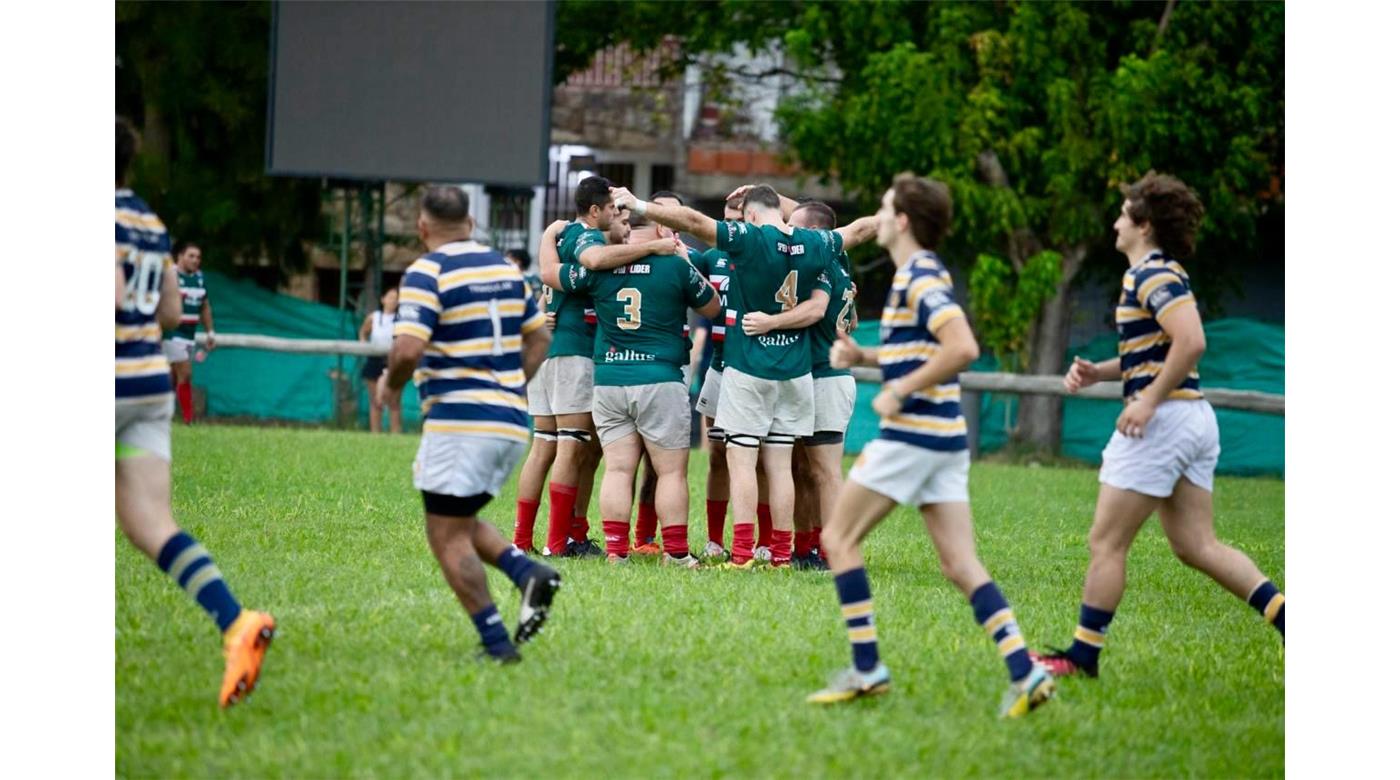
(739, 192)
(622, 197)
(1080, 375)
(845, 352)
(667, 246)
(549, 317)
(887, 404)
(1133, 421)
(208, 341)
(756, 323)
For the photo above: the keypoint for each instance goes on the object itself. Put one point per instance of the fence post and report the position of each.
(972, 413)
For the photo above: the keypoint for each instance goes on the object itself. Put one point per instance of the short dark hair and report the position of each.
(127, 144)
(762, 195)
(520, 256)
(446, 204)
(655, 196)
(181, 246)
(592, 191)
(824, 215)
(928, 204)
(1171, 207)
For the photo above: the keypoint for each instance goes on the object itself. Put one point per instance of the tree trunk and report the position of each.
(1040, 417)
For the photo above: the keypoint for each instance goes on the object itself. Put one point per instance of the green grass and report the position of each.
(646, 672)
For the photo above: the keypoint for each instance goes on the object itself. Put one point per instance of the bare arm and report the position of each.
(686, 220)
(709, 311)
(606, 258)
(534, 348)
(845, 353)
(121, 286)
(403, 359)
(365, 327)
(168, 309)
(857, 232)
(1183, 325)
(802, 315)
(698, 336)
(206, 315)
(785, 204)
(549, 255)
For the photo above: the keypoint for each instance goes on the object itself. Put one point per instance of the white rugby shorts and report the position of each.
(145, 425)
(562, 385)
(455, 464)
(754, 406)
(708, 402)
(910, 475)
(834, 399)
(1182, 440)
(178, 349)
(658, 412)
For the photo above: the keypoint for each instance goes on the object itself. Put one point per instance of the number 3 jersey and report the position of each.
(641, 313)
(143, 250)
(471, 306)
(771, 272)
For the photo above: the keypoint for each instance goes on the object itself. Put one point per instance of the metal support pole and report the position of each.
(340, 384)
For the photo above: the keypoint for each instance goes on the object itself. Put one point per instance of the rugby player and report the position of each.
(767, 397)
(521, 258)
(149, 299)
(1162, 455)
(561, 394)
(640, 401)
(179, 343)
(467, 318)
(921, 456)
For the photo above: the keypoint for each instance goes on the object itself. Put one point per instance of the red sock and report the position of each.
(578, 529)
(714, 519)
(615, 536)
(817, 542)
(675, 539)
(561, 514)
(743, 542)
(185, 393)
(646, 523)
(802, 543)
(765, 526)
(525, 512)
(782, 547)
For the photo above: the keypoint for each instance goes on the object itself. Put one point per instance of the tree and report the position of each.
(193, 77)
(1034, 113)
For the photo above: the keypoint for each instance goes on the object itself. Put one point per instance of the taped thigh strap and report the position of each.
(779, 440)
(742, 440)
(577, 434)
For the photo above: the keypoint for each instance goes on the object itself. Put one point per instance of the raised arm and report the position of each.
(809, 312)
(549, 254)
(686, 220)
(606, 258)
(857, 233)
(786, 204)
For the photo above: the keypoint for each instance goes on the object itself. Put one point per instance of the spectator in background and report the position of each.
(378, 330)
(521, 258)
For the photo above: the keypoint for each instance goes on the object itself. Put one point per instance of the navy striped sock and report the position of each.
(516, 565)
(493, 631)
(189, 564)
(1268, 601)
(1089, 637)
(995, 616)
(859, 611)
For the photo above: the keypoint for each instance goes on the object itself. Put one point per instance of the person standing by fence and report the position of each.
(378, 330)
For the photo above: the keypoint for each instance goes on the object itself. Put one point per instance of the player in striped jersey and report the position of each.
(1163, 452)
(149, 299)
(473, 333)
(194, 310)
(921, 457)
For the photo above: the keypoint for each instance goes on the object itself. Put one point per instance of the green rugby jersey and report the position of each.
(714, 265)
(641, 313)
(193, 293)
(771, 272)
(574, 319)
(839, 317)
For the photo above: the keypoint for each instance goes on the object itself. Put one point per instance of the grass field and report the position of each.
(647, 672)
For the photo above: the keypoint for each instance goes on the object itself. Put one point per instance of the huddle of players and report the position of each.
(470, 333)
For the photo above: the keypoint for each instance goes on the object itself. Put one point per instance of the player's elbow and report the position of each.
(965, 352)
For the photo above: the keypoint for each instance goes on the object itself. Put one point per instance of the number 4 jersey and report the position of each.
(641, 312)
(143, 251)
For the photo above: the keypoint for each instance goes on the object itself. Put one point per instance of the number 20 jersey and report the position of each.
(143, 249)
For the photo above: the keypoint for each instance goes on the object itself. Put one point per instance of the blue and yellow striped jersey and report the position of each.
(921, 302)
(1152, 288)
(472, 307)
(143, 250)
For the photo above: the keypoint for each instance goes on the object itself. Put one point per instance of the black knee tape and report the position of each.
(741, 440)
(579, 435)
(779, 440)
(824, 437)
(715, 434)
(454, 506)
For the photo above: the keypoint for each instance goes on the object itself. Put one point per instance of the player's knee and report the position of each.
(1193, 552)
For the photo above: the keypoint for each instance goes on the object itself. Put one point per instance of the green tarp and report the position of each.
(1241, 354)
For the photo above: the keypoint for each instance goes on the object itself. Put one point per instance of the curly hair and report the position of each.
(1172, 209)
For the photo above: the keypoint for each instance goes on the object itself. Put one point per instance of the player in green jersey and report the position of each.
(768, 387)
(179, 342)
(640, 400)
(561, 393)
